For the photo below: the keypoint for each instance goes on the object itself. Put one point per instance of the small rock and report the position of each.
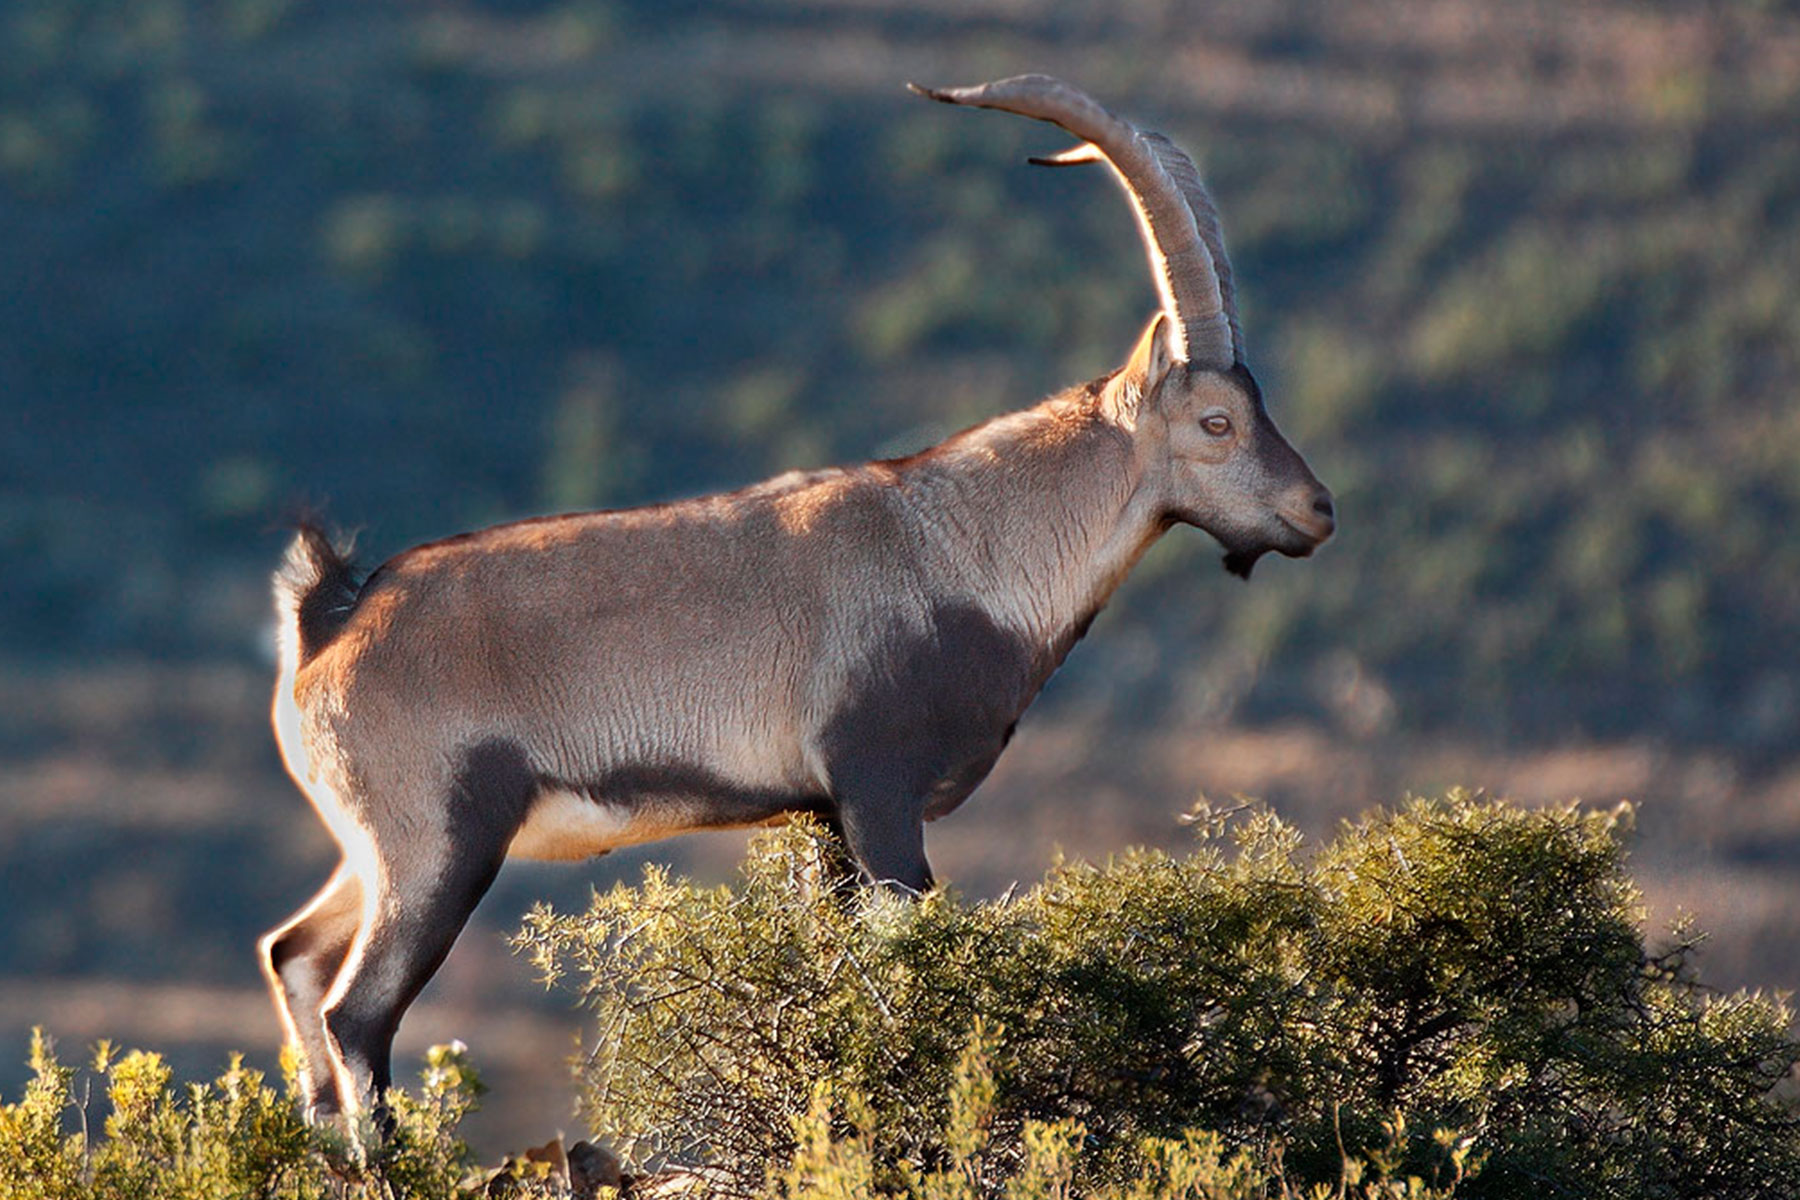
(590, 1168)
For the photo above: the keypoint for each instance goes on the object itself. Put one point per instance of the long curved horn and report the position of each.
(1188, 265)
(1186, 177)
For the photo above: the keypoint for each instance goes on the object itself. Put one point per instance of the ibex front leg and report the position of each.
(883, 827)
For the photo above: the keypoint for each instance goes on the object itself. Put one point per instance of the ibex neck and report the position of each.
(1039, 514)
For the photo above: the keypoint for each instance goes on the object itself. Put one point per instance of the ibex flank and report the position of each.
(857, 643)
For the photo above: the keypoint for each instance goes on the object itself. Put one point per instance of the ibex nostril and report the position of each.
(1322, 506)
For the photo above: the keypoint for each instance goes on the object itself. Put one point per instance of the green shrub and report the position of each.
(1042, 1161)
(235, 1137)
(1458, 982)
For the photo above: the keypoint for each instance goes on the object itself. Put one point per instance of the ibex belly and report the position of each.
(642, 804)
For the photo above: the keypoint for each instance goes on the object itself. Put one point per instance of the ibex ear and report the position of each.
(1161, 356)
(1144, 371)
(1152, 357)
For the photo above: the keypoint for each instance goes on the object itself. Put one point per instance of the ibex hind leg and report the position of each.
(419, 910)
(301, 958)
(432, 873)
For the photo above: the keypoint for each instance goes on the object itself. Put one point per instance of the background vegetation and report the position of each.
(1521, 280)
(450, 263)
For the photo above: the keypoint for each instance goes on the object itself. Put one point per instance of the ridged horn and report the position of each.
(1179, 225)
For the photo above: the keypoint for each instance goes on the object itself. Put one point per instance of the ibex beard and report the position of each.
(856, 643)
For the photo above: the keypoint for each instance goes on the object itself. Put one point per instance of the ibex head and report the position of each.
(1192, 407)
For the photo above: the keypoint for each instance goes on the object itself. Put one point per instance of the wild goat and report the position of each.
(856, 643)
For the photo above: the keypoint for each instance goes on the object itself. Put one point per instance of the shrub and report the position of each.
(1042, 1161)
(1452, 999)
(1460, 982)
(235, 1137)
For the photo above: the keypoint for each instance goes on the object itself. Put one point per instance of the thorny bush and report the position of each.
(1458, 983)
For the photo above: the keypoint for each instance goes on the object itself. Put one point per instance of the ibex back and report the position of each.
(856, 643)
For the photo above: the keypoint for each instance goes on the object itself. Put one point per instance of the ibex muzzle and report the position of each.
(856, 643)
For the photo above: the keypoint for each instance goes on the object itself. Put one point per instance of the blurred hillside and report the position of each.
(1527, 290)
(1522, 280)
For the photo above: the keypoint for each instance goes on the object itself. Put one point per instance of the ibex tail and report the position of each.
(315, 590)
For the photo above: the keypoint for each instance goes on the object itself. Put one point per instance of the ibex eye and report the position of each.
(1216, 425)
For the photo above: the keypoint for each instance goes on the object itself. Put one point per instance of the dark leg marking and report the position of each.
(885, 834)
(427, 891)
(921, 730)
(420, 914)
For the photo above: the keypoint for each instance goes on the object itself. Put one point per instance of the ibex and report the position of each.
(856, 643)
